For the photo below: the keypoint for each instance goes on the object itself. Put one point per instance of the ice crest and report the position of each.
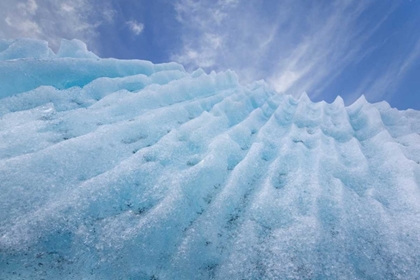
(74, 49)
(114, 169)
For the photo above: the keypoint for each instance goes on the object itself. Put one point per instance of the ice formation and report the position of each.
(114, 169)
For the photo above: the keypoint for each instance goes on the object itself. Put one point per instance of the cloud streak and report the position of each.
(296, 46)
(378, 86)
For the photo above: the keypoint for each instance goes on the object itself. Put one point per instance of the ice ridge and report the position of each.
(116, 169)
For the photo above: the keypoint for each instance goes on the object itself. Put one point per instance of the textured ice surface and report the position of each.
(115, 169)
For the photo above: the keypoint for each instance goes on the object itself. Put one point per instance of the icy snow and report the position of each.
(122, 169)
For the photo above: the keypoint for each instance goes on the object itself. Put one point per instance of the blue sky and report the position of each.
(324, 48)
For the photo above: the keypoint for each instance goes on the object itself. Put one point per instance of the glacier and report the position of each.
(124, 169)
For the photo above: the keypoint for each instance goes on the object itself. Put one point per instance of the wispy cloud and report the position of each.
(295, 45)
(135, 27)
(52, 20)
(377, 86)
(410, 59)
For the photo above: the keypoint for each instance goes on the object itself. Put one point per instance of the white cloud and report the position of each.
(284, 81)
(204, 39)
(135, 27)
(52, 20)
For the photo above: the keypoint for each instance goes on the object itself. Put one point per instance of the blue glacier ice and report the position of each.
(123, 169)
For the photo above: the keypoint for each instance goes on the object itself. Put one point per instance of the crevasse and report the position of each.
(123, 169)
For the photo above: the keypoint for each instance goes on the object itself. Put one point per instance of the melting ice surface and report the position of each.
(115, 169)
